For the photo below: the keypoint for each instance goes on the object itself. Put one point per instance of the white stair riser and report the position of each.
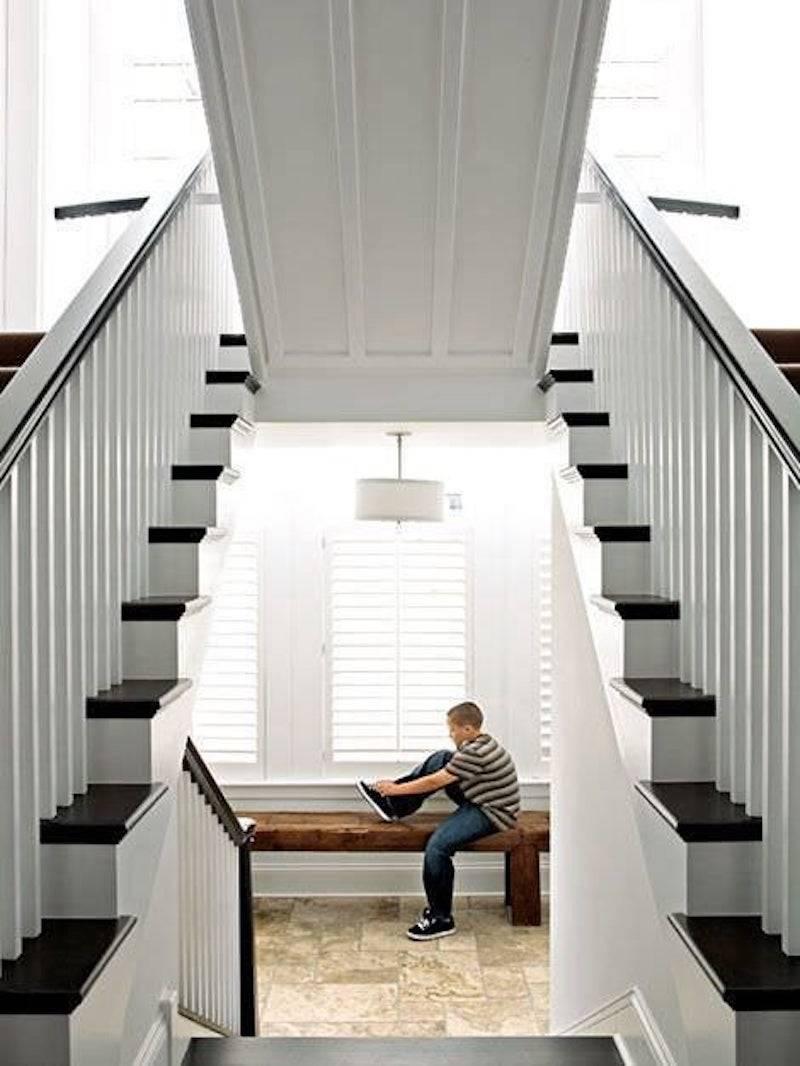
(580, 444)
(155, 649)
(231, 446)
(720, 1036)
(663, 749)
(612, 566)
(233, 357)
(570, 396)
(594, 501)
(698, 878)
(139, 750)
(233, 399)
(186, 569)
(203, 503)
(564, 357)
(105, 880)
(640, 648)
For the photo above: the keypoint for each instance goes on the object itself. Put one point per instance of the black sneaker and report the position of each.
(382, 805)
(429, 927)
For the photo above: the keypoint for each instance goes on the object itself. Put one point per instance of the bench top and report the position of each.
(362, 831)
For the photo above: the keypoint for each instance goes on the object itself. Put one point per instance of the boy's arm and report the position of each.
(429, 783)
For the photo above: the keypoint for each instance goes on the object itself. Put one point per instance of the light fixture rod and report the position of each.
(399, 436)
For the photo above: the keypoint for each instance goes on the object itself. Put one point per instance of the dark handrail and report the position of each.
(242, 834)
(101, 207)
(677, 205)
(26, 400)
(770, 398)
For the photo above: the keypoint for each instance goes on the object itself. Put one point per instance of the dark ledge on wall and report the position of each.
(638, 608)
(665, 697)
(141, 698)
(104, 814)
(699, 813)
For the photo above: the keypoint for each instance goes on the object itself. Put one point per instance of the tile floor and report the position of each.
(344, 967)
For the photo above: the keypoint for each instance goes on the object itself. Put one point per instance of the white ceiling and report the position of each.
(397, 175)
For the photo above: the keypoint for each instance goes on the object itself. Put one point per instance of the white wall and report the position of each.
(300, 486)
(606, 931)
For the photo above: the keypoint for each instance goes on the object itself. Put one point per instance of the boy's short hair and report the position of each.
(467, 713)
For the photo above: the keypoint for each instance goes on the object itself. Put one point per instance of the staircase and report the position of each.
(14, 350)
(675, 455)
(783, 345)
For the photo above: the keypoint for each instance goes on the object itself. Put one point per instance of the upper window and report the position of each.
(397, 641)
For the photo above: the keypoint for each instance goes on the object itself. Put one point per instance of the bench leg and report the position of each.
(507, 858)
(525, 890)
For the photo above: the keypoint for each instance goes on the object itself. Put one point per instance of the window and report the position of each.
(397, 642)
(545, 650)
(226, 709)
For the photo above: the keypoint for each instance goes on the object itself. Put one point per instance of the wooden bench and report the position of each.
(357, 831)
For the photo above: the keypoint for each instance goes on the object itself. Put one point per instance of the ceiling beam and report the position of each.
(454, 24)
(347, 152)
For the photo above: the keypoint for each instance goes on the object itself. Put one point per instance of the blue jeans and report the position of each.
(464, 825)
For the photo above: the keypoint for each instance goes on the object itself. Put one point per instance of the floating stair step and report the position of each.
(638, 608)
(782, 344)
(162, 608)
(564, 337)
(233, 377)
(446, 1051)
(220, 421)
(204, 472)
(665, 697)
(103, 815)
(136, 699)
(232, 340)
(558, 377)
(579, 419)
(791, 371)
(699, 813)
(57, 969)
(16, 347)
(745, 964)
(594, 471)
(183, 534)
(6, 376)
(616, 534)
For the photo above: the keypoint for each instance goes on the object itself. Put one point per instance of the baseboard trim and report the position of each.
(372, 874)
(630, 1021)
(341, 795)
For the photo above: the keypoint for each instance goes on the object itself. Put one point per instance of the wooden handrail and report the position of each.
(93, 208)
(769, 397)
(26, 401)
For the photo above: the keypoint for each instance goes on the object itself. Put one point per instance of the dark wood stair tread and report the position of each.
(7, 375)
(405, 1051)
(162, 608)
(592, 471)
(15, 347)
(204, 472)
(665, 697)
(224, 420)
(138, 698)
(233, 377)
(782, 345)
(616, 534)
(699, 813)
(104, 814)
(579, 419)
(564, 337)
(183, 534)
(57, 969)
(745, 964)
(232, 340)
(634, 607)
(574, 376)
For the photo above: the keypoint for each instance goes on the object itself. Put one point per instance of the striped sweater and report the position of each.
(488, 778)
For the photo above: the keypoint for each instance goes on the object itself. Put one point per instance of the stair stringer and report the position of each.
(608, 935)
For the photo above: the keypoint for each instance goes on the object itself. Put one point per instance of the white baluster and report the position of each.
(790, 706)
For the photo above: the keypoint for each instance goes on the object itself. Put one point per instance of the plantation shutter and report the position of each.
(545, 650)
(226, 708)
(397, 642)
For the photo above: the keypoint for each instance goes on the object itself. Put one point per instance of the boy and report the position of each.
(481, 779)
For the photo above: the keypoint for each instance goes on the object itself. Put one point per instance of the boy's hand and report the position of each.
(386, 788)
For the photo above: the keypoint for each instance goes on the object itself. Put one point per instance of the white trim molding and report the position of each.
(630, 1021)
(320, 794)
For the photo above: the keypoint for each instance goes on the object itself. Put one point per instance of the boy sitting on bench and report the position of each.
(481, 779)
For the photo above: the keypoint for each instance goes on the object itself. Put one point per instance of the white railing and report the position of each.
(711, 432)
(88, 430)
(217, 965)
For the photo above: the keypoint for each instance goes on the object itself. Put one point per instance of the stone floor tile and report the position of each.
(492, 1018)
(342, 1002)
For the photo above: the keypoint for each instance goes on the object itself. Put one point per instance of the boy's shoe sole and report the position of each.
(366, 796)
(430, 936)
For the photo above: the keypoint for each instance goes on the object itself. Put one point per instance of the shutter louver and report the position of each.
(545, 651)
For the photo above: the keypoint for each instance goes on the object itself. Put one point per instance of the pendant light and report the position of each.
(399, 499)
